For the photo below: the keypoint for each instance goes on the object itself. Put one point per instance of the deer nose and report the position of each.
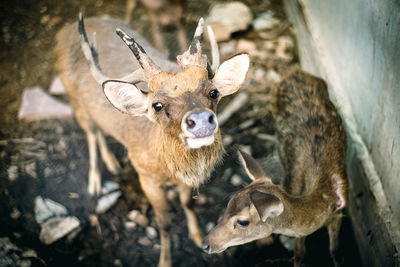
(200, 124)
(205, 246)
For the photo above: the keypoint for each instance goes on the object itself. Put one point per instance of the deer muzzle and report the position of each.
(199, 127)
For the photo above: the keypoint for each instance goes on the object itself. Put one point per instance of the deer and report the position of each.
(312, 150)
(162, 112)
(163, 14)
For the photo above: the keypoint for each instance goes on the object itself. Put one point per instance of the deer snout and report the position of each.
(200, 124)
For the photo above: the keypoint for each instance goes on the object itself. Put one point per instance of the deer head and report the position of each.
(184, 104)
(250, 213)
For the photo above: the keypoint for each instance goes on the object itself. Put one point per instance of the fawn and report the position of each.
(313, 153)
(162, 112)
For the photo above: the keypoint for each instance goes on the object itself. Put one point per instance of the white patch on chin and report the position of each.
(197, 142)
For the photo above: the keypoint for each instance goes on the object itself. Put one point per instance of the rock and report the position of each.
(287, 242)
(56, 228)
(47, 208)
(265, 21)
(172, 194)
(272, 76)
(144, 241)
(37, 105)
(285, 43)
(109, 186)
(11, 255)
(201, 200)
(236, 180)
(227, 140)
(56, 87)
(138, 218)
(227, 49)
(227, 18)
(31, 169)
(129, 225)
(12, 173)
(151, 232)
(107, 201)
(15, 214)
(246, 46)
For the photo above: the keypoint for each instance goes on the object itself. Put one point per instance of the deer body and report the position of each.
(162, 112)
(313, 152)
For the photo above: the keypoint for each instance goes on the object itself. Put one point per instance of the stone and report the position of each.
(106, 202)
(37, 105)
(56, 87)
(209, 226)
(144, 241)
(129, 225)
(265, 21)
(56, 228)
(138, 218)
(227, 18)
(109, 186)
(12, 173)
(236, 180)
(46, 208)
(272, 76)
(246, 46)
(151, 232)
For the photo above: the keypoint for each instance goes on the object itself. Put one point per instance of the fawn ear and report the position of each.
(267, 205)
(252, 167)
(126, 97)
(231, 74)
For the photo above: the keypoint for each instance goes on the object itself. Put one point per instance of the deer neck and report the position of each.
(302, 215)
(190, 166)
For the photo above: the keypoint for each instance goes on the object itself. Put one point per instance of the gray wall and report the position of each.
(355, 46)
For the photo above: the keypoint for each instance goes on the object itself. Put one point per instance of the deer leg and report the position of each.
(106, 155)
(156, 32)
(182, 40)
(299, 250)
(185, 196)
(333, 232)
(94, 184)
(156, 195)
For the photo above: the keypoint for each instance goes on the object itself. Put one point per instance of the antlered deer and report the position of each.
(162, 112)
(313, 152)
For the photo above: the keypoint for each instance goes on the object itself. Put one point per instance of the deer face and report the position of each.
(183, 104)
(250, 212)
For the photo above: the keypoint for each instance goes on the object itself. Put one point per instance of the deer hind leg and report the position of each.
(185, 196)
(156, 195)
(333, 232)
(106, 155)
(299, 250)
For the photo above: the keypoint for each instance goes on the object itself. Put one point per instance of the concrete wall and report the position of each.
(355, 46)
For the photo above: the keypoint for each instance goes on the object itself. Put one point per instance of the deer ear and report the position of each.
(267, 205)
(252, 167)
(231, 74)
(126, 97)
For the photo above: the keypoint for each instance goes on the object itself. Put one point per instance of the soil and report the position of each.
(49, 157)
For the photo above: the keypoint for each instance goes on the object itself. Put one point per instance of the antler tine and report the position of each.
(150, 69)
(193, 56)
(214, 50)
(90, 52)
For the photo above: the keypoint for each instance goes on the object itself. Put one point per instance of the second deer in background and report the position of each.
(163, 14)
(313, 153)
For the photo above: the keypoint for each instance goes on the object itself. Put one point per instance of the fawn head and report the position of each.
(249, 212)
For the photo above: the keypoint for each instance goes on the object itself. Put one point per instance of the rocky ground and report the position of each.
(46, 216)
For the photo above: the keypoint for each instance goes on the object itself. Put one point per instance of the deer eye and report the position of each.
(214, 94)
(157, 106)
(242, 223)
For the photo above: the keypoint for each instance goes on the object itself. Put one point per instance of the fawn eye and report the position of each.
(157, 106)
(243, 223)
(214, 94)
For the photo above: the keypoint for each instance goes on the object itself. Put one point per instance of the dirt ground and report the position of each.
(49, 157)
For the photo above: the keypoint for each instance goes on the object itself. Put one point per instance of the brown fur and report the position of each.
(313, 152)
(155, 144)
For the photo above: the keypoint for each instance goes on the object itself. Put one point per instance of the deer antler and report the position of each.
(193, 55)
(214, 50)
(91, 55)
(150, 69)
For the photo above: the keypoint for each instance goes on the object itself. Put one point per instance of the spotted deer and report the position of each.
(162, 112)
(313, 153)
